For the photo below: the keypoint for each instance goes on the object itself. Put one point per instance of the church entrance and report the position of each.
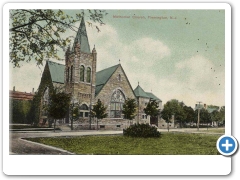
(154, 120)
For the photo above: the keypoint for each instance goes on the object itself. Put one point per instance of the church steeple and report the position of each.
(82, 38)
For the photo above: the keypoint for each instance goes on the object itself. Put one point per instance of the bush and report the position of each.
(141, 130)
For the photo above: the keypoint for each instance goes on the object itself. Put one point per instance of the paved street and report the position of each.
(21, 146)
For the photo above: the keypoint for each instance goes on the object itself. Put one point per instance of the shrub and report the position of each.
(141, 130)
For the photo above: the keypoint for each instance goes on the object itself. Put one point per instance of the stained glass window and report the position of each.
(117, 101)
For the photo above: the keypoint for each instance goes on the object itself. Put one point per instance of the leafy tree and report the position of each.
(129, 109)
(216, 116)
(180, 114)
(173, 107)
(19, 111)
(36, 33)
(222, 115)
(58, 105)
(205, 116)
(99, 111)
(189, 114)
(152, 109)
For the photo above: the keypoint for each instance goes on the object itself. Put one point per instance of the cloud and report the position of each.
(192, 79)
(137, 57)
(26, 77)
(195, 79)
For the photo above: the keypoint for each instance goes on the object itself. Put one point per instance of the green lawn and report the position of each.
(214, 130)
(167, 144)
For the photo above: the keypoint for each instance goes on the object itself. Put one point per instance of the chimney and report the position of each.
(205, 106)
(32, 90)
(13, 88)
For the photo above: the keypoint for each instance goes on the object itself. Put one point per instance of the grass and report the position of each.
(215, 130)
(167, 144)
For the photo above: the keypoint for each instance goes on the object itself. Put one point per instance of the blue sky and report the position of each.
(178, 55)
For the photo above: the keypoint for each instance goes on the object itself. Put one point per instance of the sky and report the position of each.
(176, 54)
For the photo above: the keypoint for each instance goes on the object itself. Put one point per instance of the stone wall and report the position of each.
(82, 90)
(103, 124)
(112, 85)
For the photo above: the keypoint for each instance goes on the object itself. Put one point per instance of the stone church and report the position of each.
(79, 77)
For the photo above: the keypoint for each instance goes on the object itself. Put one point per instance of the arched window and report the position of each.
(82, 71)
(119, 77)
(84, 110)
(117, 101)
(88, 74)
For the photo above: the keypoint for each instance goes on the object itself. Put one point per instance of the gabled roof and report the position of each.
(152, 96)
(139, 92)
(56, 71)
(103, 76)
(82, 38)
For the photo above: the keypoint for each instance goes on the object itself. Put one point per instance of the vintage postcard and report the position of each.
(92, 83)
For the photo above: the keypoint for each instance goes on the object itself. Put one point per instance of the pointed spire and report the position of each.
(138, 83)
(119, 61)
(82, 38)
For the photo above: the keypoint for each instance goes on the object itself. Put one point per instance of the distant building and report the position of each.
(20, 95)
(209, 108)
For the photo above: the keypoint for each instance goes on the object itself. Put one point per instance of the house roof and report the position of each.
(139, 92)
(82, 38)
(56, 71)
(210, 110)
(20, 95)
(103, 76)
(152, 96)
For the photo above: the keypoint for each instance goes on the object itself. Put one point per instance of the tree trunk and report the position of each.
(168, 127)
(97, 124)
(72, 123)
(54, 124)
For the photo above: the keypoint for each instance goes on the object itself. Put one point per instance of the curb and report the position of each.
(47, 146)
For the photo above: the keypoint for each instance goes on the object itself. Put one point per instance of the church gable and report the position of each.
(117, 84)
(103, 76)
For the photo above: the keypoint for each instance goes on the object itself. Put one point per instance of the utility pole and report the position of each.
(198, 115)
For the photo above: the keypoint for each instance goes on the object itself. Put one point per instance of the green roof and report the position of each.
(139, 92)
(56, 71)
(103, 76)
(210, 110)
(152, 96)
(82, 38)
